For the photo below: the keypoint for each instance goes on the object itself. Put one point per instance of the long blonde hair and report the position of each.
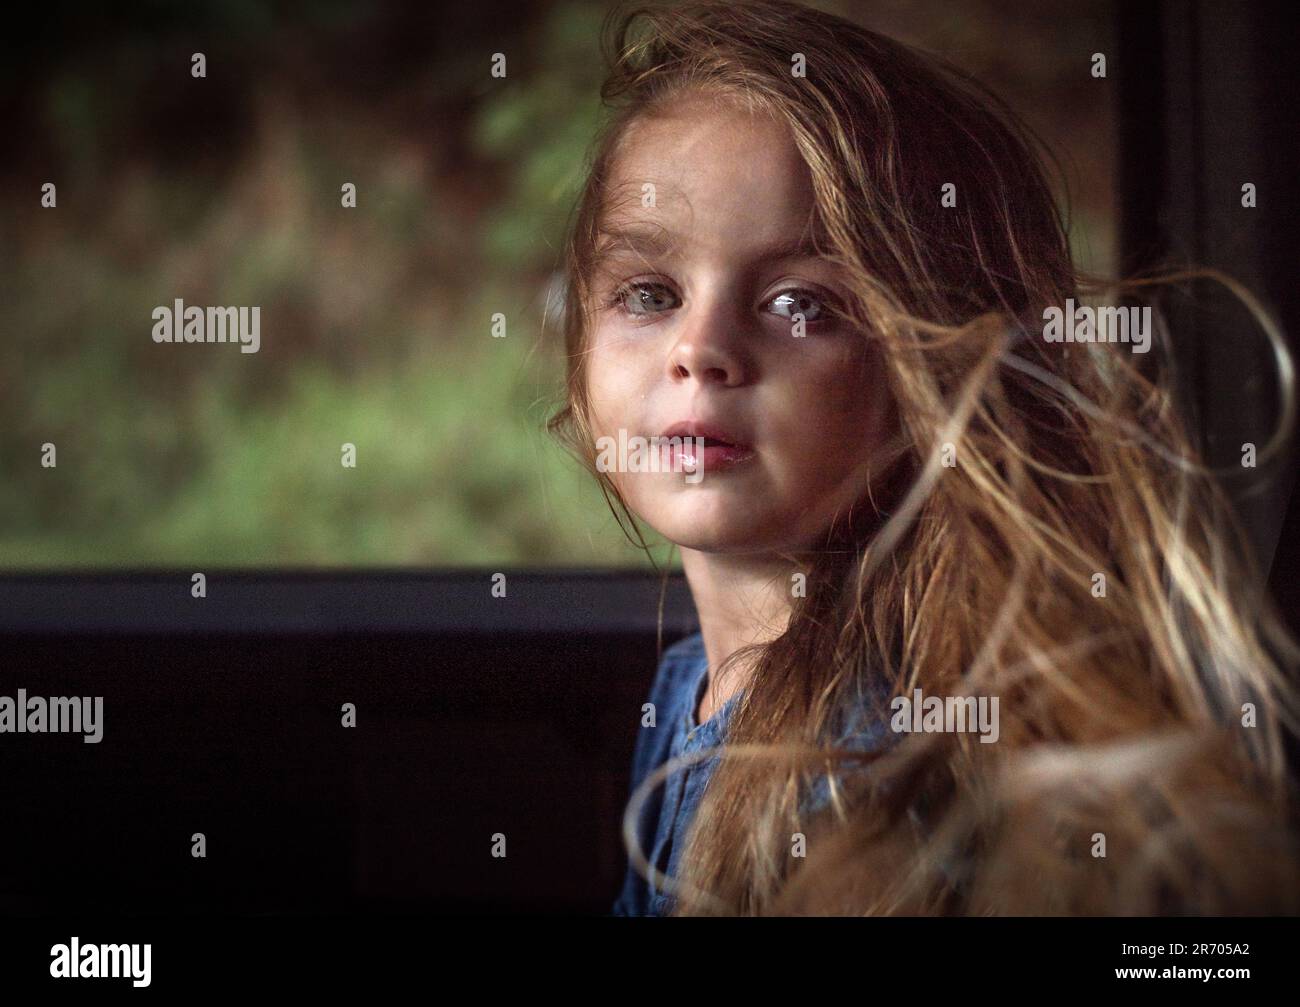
(1141, 765)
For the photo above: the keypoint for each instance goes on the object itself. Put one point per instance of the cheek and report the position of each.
(606, 393)
(614, 401)
(616, 371)
(857, 393)
(841, 402)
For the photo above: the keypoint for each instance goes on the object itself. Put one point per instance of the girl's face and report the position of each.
(697, 285)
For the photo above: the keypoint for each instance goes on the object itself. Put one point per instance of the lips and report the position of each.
(722, 447)
(712, 433)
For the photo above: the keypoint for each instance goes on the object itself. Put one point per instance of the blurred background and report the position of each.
(375, 321)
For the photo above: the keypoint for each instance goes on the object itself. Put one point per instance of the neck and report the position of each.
(740, 600)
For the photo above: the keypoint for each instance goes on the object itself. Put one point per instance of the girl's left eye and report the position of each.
(802, 302)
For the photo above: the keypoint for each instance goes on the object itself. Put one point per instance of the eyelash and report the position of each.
(616, 300)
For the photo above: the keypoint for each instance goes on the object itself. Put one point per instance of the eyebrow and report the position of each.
(650, 240)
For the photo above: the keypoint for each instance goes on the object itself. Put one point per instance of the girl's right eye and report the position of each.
(641, 298)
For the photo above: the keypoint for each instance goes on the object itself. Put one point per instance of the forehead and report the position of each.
(709, 174)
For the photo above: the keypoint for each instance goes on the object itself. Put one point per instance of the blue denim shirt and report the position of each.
(678, 687)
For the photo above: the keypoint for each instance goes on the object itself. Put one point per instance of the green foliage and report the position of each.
(375, 332)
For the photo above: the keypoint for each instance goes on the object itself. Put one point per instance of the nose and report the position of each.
(707, 349)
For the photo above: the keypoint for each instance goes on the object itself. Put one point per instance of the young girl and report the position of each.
(978, 634)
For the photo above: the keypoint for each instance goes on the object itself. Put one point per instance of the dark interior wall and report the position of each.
(239, 735)
(1208, 99)
(456, 740)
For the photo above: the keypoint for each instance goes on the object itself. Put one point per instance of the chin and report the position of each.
(696, 542)
(713, 532)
